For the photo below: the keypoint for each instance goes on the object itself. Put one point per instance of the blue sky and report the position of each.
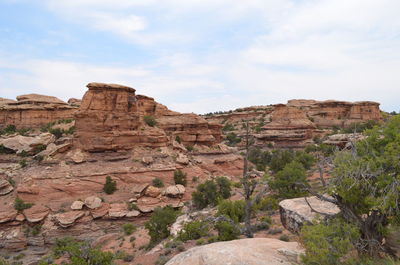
(204, 55)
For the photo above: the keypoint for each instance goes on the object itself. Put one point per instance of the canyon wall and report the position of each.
(33, 110)
(295, 124)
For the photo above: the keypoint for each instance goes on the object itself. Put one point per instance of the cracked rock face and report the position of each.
(296, 212)
(254, 251)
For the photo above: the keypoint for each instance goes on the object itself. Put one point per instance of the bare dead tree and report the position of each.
(249, 187)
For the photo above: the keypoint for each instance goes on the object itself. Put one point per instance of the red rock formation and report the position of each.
(112, 117)
(33, 110)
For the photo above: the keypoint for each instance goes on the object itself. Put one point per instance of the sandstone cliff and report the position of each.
(113, 117)
(33, 110)
(296, 123)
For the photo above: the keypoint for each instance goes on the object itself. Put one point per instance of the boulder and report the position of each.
(147, 160)
(5, 187)
(139, 189)
(175, 191)
(251, 251)
(93, 202)
(152, 191)
(36, 213)
(133, 213)
(182, 159)
(118, 210)
(7, 214)
(68, 218)
(77, 205)
(101, 211)
(28, 144)
(296, 212)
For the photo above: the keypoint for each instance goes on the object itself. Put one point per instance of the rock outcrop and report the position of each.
(33, 110)
(113, 117)
(254, 251)
(296, 212)
(296, 123)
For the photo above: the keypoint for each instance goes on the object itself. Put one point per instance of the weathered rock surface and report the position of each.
(68, 219)
(33, 110)
(112, 117)
(5, 187)
(93, 202)
(296, 123)
(152, 191)
(77, 205)
(7, 214)
(344, 140)
(296, 212)
(255, 251)
(118, 210)
(36, 213)
(28, 144)
(175, 191)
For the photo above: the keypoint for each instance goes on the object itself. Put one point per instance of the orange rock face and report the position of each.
(296, 123)
(112, 117)
(33, 110)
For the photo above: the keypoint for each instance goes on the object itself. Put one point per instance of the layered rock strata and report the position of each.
(296, 123)
(33, 110)
(113, 117)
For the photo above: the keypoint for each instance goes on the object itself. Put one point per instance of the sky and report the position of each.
(204, 55)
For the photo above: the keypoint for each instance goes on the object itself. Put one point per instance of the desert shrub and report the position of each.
(158, 183)
(274, 231)
(36, 230)
(39, 148)
(128, 258)
(280, 158)
(360, 127)
(226, 231)
(80, 253)
(228, 127)
(110, 186)
(268, 203)
(10, 129)
(23, 153)
(284, 238)
(232, 209)
(233, 139)
(23, 163)
(20, 205)
(328, 243)
(210, 192)
(190, 148)
(150, 120)
(193, 230)
(286, 181)
(178, 139)
(132, 206)
(162, 259)
(180, 177)
(71, 130)
(5, 150)
(305, 159)
(129, 229)
(200, 242)
(57, 132)
(159, 222)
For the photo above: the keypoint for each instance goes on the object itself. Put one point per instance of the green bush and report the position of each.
(193, 230)
(80, 253)
(110, 186)
(180, 177)
(285, 182)
(23, 163)
(232, 209)
(190, 148)
(284, 238)
(150, 120)
(328, 243)
(129, 229)
(224, 187)
(226, 231)
(228, 127)
(10, 129)
(178, 139)
(36, 230)
(159, 223)
(5, 150)
(57, 132)
(39, 148)
(20, 205)
(280, 158)
(233, 139)
(158, 183)
(268, 203)
(3, 261)
(209, 193)
(132, 206)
